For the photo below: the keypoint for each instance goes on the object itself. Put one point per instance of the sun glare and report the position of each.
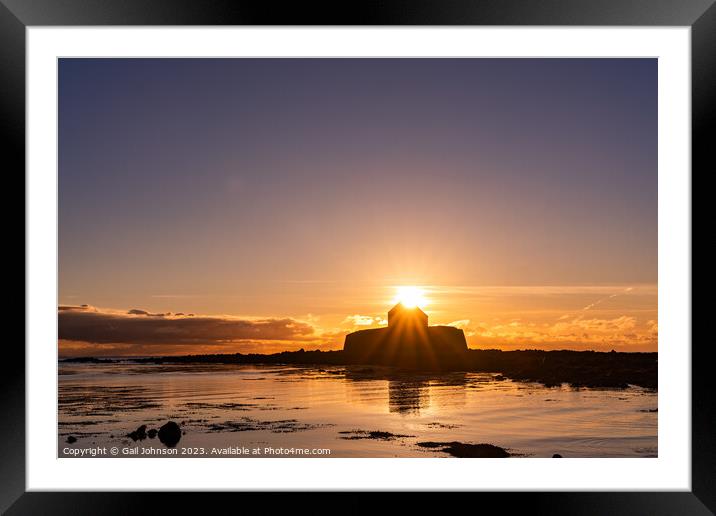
(410, 297)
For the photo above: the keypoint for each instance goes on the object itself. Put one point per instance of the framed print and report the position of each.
(420, 249)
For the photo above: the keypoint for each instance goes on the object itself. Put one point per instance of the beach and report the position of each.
(275, 410)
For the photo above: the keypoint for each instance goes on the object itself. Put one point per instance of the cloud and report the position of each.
(600, 301)
(139, 327)
(540, 290)
(80, 308)
(135, 311)
(619, 324)
(623, 332)
(360, 320)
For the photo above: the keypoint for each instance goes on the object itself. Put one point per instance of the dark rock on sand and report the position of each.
(246, 424)
(371, 434)
(139, 434)
(464, 450)
(71, 439)
(170, 434)
(152, 433)
(577, 368)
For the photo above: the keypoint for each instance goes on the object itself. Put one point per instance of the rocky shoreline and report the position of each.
(550, 368)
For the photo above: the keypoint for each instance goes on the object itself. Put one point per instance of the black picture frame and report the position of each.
(16, 15)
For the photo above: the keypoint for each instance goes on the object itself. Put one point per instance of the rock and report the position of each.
(71, 439)
(139, 434)
(170, 434)
(556, 456)
(466, 450)
(374, 434)
(152, 433)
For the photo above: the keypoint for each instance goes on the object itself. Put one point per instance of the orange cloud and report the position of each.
(624, 332)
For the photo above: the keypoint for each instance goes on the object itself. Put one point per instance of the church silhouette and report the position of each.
(407, 342)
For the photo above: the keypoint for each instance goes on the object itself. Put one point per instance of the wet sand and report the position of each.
(225, 410)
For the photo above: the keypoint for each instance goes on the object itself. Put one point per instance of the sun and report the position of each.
(410, 296)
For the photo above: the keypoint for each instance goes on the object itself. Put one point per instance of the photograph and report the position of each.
(369, 257)
(357, 252)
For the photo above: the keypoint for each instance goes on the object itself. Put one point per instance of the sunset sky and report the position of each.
(257, 205)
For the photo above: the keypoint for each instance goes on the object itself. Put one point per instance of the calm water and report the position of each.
(336, 408)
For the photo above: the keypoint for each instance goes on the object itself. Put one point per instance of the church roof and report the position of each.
(402, 308)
